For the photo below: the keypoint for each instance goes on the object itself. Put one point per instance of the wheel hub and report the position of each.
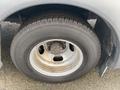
(56, 47)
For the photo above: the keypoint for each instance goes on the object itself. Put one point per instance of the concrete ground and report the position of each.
(12, 79)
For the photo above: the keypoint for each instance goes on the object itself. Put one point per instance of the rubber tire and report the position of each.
(55, 28)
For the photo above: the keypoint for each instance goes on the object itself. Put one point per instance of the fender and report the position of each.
(109, 10)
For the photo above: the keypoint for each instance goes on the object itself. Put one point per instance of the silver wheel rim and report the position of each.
(56, 57)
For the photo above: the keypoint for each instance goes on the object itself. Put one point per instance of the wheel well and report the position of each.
(102, 28)
(36, 10)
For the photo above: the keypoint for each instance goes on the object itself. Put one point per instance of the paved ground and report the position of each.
(12, 79)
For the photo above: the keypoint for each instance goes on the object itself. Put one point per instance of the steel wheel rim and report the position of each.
(60, 63)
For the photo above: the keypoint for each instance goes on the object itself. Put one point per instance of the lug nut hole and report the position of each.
(41, 49)
(71, 47)
(58, 58)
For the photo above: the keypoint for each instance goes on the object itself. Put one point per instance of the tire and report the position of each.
(55, 28)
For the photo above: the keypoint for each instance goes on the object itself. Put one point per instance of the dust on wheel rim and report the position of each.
(56, 57)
